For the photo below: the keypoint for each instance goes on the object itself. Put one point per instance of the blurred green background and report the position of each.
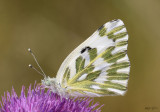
(53, 28)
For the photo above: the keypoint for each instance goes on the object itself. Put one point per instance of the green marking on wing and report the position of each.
(115, 30)
(107, 52)
(100, 91)
(113, 58)
(92, 76)
(92, 53)
(117, 76)
(79, 64)
(117, 36)
(109, 84)
(121, 43)
(87, 86)
(112, 35)
(66, 76)
(115, 67)
(102, 31)
(86, 70)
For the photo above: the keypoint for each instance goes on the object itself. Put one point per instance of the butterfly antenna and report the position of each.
(30, 66)
(37, 64)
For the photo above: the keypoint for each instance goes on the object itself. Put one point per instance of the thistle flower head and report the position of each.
(37, 100)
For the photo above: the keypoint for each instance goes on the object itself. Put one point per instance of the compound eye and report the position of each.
(48, 84)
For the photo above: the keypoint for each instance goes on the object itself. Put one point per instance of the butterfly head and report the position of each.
(47, 81)
(52, 84)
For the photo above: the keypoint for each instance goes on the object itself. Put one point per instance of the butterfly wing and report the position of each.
(100, 65)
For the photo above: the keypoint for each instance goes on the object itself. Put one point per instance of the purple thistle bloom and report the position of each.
(37, 100)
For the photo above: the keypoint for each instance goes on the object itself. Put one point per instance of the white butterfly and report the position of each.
(98, 67)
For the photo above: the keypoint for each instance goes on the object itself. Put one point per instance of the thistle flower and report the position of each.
(37, 100)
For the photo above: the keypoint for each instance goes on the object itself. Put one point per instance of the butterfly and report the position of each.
(97, 67)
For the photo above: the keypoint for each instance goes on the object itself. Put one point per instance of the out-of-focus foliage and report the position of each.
(53, 28)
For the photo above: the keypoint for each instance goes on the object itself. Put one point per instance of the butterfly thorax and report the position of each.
(55, 86)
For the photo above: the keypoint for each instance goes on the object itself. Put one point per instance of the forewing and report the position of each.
(100, 65)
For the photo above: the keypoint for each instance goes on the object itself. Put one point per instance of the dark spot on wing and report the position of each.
(101, 27)
(86, 48)
(114, 20)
